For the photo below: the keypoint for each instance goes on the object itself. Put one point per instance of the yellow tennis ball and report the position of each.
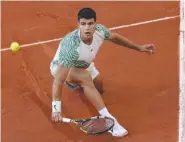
(15, 46)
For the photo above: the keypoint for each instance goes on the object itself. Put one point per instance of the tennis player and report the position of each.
(73, 64)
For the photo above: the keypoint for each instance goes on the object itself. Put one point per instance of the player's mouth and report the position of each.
(87, 33)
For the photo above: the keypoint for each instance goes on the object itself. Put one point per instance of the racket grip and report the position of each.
(67, 120)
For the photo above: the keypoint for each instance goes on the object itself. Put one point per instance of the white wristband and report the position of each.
(56, 106)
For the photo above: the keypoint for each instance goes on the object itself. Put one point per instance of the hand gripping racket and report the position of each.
(93, 125)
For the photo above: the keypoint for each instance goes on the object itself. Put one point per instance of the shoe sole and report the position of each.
(125, 134)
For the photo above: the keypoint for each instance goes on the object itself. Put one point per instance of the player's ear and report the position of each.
(78, 23)
(95, 24)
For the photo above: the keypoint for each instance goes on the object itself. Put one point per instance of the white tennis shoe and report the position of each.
(118, 130)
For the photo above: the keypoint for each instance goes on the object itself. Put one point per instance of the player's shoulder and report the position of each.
(102, 30)
(71, 38)
(100, 27)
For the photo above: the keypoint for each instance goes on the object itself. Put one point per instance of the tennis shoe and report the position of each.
(118, 130)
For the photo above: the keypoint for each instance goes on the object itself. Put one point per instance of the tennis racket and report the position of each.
(93, 125)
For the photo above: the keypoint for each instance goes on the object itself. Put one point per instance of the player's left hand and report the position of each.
(148, 48)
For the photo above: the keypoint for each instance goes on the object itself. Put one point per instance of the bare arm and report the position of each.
(120, 40)
(59, 79)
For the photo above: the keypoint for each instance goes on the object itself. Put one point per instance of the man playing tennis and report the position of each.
(73, 64)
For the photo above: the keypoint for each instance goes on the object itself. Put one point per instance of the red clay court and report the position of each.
(141, 90)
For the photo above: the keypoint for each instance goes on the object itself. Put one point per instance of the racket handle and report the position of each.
(67, 120)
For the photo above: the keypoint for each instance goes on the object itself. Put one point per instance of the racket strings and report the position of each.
(97, 125)
(109, 123)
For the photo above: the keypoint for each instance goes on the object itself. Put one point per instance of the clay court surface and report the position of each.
(141, 90)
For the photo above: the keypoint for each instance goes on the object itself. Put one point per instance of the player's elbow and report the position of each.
(59, 80)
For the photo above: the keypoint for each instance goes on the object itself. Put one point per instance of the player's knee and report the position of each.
(101, 90)
(98, 83)
(87, 80)
(99, 87)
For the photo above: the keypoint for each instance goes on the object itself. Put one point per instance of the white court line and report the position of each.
(113, 28)
(181, 135)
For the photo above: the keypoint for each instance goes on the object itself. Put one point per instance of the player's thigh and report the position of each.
(97, 79)
(79, 76)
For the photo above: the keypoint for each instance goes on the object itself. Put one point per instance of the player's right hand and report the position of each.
(57, 117)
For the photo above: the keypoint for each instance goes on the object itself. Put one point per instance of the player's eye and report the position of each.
(91, 23)
(83, 23)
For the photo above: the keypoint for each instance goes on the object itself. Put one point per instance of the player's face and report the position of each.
(87, 27)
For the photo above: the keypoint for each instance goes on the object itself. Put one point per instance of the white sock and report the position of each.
(104, 112)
